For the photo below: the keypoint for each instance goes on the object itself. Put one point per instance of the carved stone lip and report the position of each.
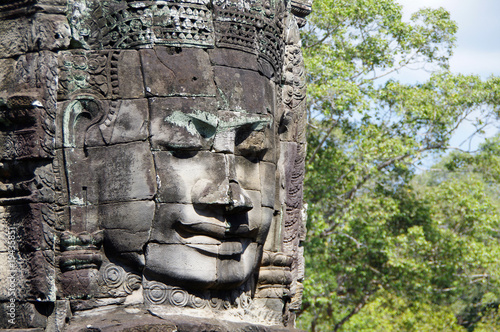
(210, 238)
(215, 230)
(200, 239)
(226, 248)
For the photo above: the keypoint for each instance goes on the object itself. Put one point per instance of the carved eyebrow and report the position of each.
(207, 124)
(198, 122)
(239, 119)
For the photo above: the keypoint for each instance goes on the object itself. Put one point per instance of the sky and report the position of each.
(478, 37)
(477, 47)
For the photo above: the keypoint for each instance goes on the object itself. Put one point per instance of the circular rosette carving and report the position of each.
(216, 303)
(197, 302)
(179, 297)
(156, 292)
(132, 283)
(113, 276)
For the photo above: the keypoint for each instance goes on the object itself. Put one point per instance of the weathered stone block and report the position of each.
(177, 72)
(265, 228)
(136, 216)
(82, 185)
(248, 173)
(200, 173)
(182, 123)
(84, 216)
(25, 228)
(128, 123)
(274, 237)
(255, 221)
(30, 70)
(28, 275)
(256, 145)
(120, 241)
(42, 277)
(233, 58)
(121, 172)
(127, 226)
(244, 90)
(268, 183)
(130, 80)
(233, 272)
(14, 274)
(7, 67)
(51, 32)
(224, 141)
(125, 172)
(78, 283)
(28, 316)
(15, 36)
(36, 33)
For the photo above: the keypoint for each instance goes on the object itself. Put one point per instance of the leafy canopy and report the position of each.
(377, 237)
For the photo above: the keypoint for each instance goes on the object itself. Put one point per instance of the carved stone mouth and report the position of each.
(211, 237)
(211, 229)
(217, 230)
(230, 248)
(227, 248)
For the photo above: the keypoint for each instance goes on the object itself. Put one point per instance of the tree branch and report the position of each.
(354, 311)
(320, 144)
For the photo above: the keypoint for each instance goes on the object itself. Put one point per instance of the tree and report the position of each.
(370, 231)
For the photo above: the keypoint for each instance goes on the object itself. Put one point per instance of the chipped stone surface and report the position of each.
(141, 320)
(36, 33)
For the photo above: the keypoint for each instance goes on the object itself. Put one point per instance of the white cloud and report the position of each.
(477, 51)
(471, 61)
(478, 43)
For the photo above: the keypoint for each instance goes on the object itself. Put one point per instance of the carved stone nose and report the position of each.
(228, 195)
(240, 202)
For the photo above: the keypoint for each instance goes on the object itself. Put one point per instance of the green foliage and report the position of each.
(382, 239)
(388, 313)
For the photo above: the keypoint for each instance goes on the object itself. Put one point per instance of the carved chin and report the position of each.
(183, 265)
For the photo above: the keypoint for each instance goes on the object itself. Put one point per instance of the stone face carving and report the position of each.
(152, 162)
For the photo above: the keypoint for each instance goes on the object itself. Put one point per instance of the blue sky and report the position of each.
(477, 51)
(478, 37)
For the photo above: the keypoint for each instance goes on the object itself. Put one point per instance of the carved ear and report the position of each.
(78, 117)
